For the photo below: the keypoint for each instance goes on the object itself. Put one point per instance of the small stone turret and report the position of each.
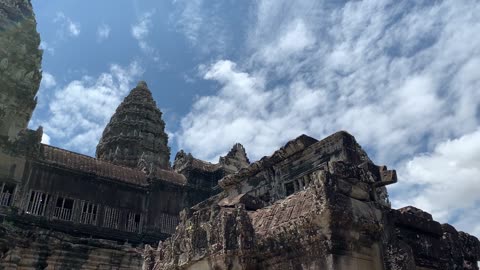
(135, 136)
(236, 159)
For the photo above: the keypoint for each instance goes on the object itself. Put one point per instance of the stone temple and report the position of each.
(312, 204)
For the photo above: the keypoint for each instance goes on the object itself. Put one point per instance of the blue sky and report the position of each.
(401, 76)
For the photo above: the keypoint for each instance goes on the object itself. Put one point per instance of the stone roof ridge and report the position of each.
(87, 164)
(72, 152)
(291, 147)
(168, 176)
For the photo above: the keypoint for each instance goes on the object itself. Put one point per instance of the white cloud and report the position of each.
(48, 80)
(448, 177)
(190, 18)
(295, 40)
(401, 77)
(140, 31)
(205, 24)
(103, 32)
(45, 138)
(71, 27)
(46, 47)
(79, 111)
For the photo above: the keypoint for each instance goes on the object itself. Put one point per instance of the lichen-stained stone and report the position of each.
(25, 246)
(135, 135)
(20, 64)
(311, 205)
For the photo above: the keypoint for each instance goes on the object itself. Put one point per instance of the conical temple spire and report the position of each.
(136, 134)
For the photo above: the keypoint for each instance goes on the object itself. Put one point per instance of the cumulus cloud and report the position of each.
(79, 111)
(103, 32)
(448, 176)
(45, 138)
(48, 80)
(400, 76)
(72, 28)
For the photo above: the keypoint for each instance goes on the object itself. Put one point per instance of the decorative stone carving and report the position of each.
(311, 205)
(236, 159)
(136, 132)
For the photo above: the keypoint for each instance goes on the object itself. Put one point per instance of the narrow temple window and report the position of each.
(111, 218)
(289, 188)
(38, 203)
(6, 194)
(133, 222)
(63, 209)
(89, 213)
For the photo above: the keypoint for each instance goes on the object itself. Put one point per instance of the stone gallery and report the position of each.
(312, 204)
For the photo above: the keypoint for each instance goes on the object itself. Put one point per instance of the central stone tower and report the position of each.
(135, 136)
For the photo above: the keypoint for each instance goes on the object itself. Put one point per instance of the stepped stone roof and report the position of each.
(85, 164)
(135, 133)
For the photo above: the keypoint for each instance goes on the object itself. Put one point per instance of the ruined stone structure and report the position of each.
(311, 205)
(64, 210)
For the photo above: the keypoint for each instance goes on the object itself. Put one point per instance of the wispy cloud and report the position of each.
(204, 24)
(103, 32)
(400, 76)
(72, 28)
(141, 30)
(47, 48)
(78, 111)
(449, 177)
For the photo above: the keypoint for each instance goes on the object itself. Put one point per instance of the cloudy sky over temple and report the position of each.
(401, 76)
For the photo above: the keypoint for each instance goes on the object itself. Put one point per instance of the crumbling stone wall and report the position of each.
(25, 246)
(340, 220)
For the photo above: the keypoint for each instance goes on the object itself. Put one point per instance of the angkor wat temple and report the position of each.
(310, 205)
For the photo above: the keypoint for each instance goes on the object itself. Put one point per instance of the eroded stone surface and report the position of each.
(135, 135)
(23, 246)
(311, 205)
(20, 61)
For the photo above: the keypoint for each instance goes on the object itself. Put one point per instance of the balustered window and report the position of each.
(37, 203)
(133, 222)
(168, 223)
(63, 209)
(6, 194)
(89, 213)
(111, 218)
